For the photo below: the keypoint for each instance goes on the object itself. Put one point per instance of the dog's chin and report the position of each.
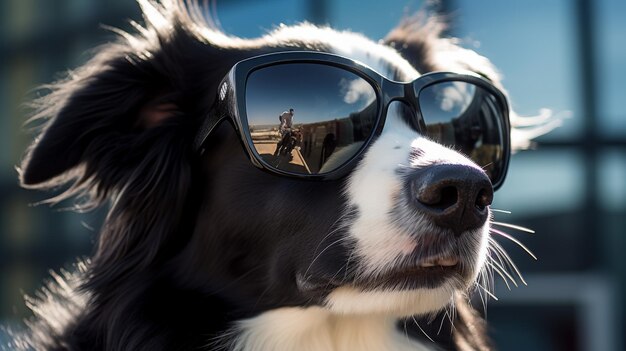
(351, 300)
(401, 292)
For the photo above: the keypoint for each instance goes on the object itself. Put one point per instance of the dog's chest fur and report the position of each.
(314, 329)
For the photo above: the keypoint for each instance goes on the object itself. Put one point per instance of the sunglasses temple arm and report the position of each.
(222, 109)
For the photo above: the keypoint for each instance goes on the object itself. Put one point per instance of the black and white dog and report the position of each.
(203, 251)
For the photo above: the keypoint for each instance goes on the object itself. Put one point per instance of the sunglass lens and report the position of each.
(466, 118)
(308, 118)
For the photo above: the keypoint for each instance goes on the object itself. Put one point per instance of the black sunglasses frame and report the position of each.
(230, 105)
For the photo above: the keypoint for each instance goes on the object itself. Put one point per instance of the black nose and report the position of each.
(454, 196)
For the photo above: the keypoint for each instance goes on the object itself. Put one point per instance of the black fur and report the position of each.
(187, 247)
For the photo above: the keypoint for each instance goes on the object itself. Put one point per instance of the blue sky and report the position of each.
(316, 93)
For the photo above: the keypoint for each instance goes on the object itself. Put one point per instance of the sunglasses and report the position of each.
(312, 115)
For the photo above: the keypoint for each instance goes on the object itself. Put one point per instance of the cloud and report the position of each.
(357, 90)
(456, 96)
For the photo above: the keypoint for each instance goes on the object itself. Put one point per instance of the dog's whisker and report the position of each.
(500, 268)
(422, 330)
(347, 265)
(480, 295)
(502, 273)
(343, 267)
(488, 281)
(222, 341)
(452, 315)
(443, 319)
(486, 291)
(406, 332)
(500, 253)
(500, 211)
(497, 250)
(320, 254)
(509, 261)
(494, 257)
(519, 243)
(513, 226)
(431, 318)
(489, 285)
(335, 228)
(490, 278)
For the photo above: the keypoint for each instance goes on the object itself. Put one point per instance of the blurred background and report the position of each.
(559, 54)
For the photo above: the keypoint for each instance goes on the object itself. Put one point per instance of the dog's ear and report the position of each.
(128, 104)
(420, 40)
(113, 97)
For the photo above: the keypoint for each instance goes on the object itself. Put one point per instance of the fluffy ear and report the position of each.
(419, 40)
(112, 96)
(129, 105)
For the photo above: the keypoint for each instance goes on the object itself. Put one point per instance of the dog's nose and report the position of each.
(454, 196)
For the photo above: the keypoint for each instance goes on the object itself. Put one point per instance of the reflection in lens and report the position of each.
(308, 118)
(466, 118)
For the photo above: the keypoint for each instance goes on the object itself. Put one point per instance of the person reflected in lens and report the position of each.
(286, 125)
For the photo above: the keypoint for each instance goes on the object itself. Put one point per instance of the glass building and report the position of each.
(569, 56)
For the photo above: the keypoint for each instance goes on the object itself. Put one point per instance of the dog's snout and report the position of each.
(454, 196)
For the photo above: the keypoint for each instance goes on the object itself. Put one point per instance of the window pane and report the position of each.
(533, 44)
(5, 127)
(20, 77)
(541, 182)
(612, 182)
(611, 36)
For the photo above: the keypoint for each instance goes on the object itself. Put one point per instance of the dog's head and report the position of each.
(404, 230)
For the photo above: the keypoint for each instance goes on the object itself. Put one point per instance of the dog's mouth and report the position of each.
(429, 272)
(426, 273)
(439, 262)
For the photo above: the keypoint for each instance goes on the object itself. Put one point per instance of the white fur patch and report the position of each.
(316, 329)
(373, 188)
(403, 303)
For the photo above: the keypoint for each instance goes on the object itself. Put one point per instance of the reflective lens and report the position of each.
(466, 118)
(309, 118)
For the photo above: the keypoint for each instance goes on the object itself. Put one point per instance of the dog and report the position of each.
(207, 247)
